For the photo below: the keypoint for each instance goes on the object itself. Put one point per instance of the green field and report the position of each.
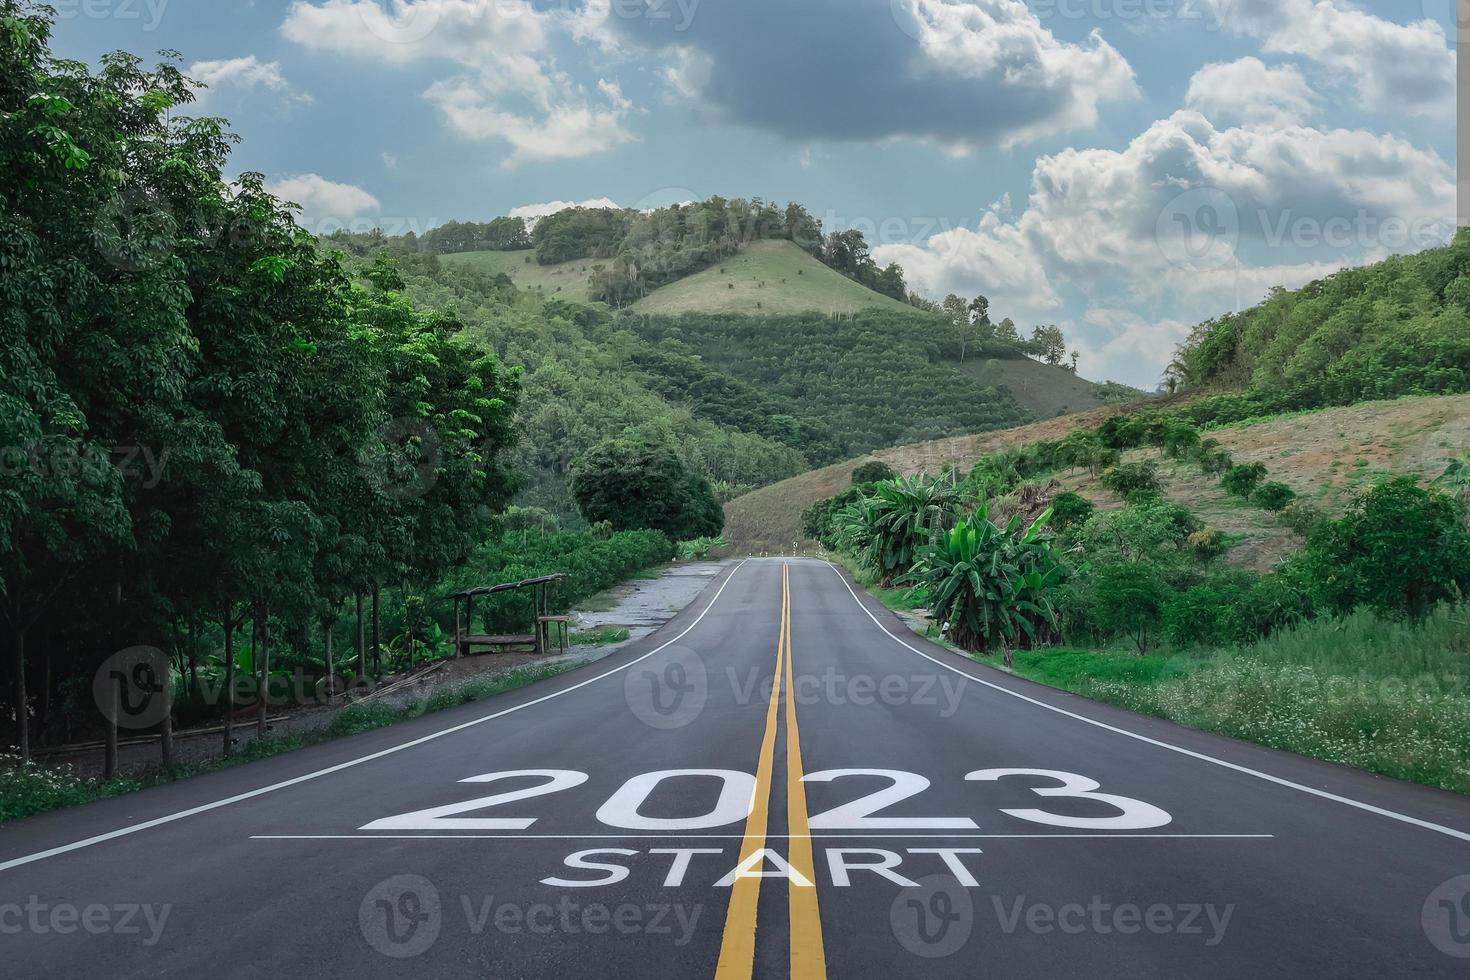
(1045, 390)
(766, 277)
(567, 280)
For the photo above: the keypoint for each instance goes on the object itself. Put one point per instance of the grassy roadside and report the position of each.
(29, 789)
(1361, 691)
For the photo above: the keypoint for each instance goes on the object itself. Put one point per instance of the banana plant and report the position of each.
(992, 587)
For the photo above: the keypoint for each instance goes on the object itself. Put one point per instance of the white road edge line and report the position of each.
(1323, 794)
(193, 811)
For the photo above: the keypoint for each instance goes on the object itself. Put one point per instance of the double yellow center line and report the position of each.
(737, 948)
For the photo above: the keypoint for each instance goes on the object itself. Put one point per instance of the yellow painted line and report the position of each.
(737, 946)
(808, 957)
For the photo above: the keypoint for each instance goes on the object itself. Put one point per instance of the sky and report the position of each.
(1124, 169)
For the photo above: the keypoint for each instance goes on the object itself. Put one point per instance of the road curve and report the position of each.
(781, 782)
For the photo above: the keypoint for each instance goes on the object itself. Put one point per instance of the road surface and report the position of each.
(893, 811)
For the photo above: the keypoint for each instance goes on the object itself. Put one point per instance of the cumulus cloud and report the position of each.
(534, 212)
(1394, 68)
(1246, 91)
(325, 204)
(1187, 221)
(505, 88)
(242, 75)
(958, 73)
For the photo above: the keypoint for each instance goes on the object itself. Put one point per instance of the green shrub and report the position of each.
(1273, 497)
(819, 521)
(1399, 550)
(1242, 481)
(886, 529)
(1128, 600)
(1212, 457)
(993, 586)
(1278, 601)
(1301, 516)
(1129, 478)
(1180, 440)
(699, 549)
(1204, 616)
(1209, 544)
(1070, 510)
(636, 485)
(873, 472)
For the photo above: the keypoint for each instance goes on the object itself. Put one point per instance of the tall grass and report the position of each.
(1363, 691)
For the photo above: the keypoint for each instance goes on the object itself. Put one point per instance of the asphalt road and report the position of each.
(644, 817)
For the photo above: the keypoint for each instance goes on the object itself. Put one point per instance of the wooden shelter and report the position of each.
(539, 618)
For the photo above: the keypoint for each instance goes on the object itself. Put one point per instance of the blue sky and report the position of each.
(1124, 168)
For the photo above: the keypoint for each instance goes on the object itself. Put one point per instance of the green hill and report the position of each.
(1046, 391)
(565, 280)
(766, 277)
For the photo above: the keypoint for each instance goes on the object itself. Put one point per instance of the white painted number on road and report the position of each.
(1134, 815)
(858, 815)
(737, 790)
(443, 817)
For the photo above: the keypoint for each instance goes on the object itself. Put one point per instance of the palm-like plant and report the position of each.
(888, 528)
(992, 586)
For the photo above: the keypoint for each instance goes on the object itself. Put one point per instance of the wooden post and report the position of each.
(458, 630)
(331, 678)
(377, 632)
(361, 636)
(22, 722)
(263, 669)
(229, 692)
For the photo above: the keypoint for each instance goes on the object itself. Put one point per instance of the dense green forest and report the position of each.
(1399, 327)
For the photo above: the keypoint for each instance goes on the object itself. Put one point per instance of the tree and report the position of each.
(889, 526)
(635, 484)
(1007, 333)
(1128, 600)
(1400, 549)
(1242, 481)
(873, 472)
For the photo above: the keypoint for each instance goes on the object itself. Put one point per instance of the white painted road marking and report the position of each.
(240, 798)
(1323, 794)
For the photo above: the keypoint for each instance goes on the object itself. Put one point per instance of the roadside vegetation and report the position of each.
(1352, 647)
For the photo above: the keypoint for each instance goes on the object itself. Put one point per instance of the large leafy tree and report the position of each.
(635, 484)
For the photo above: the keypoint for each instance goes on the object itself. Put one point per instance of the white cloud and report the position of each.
(1394, 68)
(535, 212)
(1186, 222)
(325, 204)
(242, 75)
(1246, 91)
(507, 88)
(956, 74)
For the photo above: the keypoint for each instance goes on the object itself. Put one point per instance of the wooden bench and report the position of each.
(506, 643)
(539, 619)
